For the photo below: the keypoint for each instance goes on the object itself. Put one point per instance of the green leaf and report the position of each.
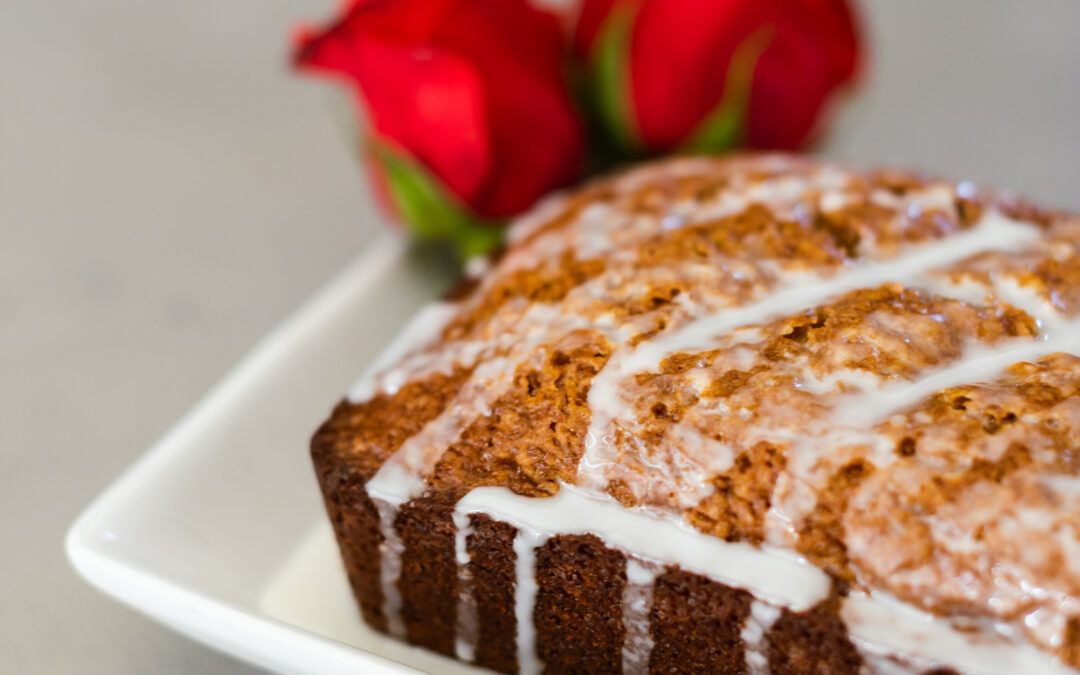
(430, 212)
(611, 80)
(725, 125)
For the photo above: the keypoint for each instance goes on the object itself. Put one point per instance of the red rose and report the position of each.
(468, 106)
(712, 74)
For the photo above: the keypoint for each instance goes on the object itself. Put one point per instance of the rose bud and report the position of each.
(469, 116)
(710, 75)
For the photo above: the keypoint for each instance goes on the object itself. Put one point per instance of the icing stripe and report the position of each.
(884, 627)
(778, 576)
(636, 605)
(978, 365)
(403, 475)
(978, 362)
(525, 544)
(427, 324)
(390, 568)
(762, 617)
(466, 638)
(993, 232)
(880, 628)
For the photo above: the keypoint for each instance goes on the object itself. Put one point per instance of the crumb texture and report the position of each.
(812, 642)
(579, 606)
(695, 625)
(491, 560)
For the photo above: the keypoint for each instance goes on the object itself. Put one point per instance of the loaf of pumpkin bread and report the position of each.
(745, 415)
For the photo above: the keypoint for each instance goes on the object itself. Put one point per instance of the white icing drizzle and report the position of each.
(890, 664)
(1029, 300)
(993, 232)
(543, 212)
(467, 623)
(390, 551)
(525, 544)
(762, 617)
(940, 197)
(427, 324)
(834, 200)
(602, 227)
(977, 365)
(1058, 334)
(403, 475)
(882, 626)
(1066, 487)
(607, 402)
(637, 602)
(462, 529)
(778, 576)
(641, 176)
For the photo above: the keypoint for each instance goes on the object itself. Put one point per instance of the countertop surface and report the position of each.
(168, 192)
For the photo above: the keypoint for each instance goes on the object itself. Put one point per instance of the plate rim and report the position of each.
(215, 622)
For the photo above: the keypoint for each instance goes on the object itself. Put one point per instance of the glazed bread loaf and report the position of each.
(755, 414)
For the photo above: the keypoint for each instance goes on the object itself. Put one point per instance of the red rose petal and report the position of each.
(791, 82)
(431, 103)
(680, 50)
(835, 26)
(536, 137)
(473, 89)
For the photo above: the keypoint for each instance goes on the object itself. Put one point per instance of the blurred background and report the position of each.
(168, 192)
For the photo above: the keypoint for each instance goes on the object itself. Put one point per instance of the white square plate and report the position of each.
(219, 532)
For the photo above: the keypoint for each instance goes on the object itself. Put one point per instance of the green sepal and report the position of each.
(430, 212)
(724, 127)
(609, 67)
